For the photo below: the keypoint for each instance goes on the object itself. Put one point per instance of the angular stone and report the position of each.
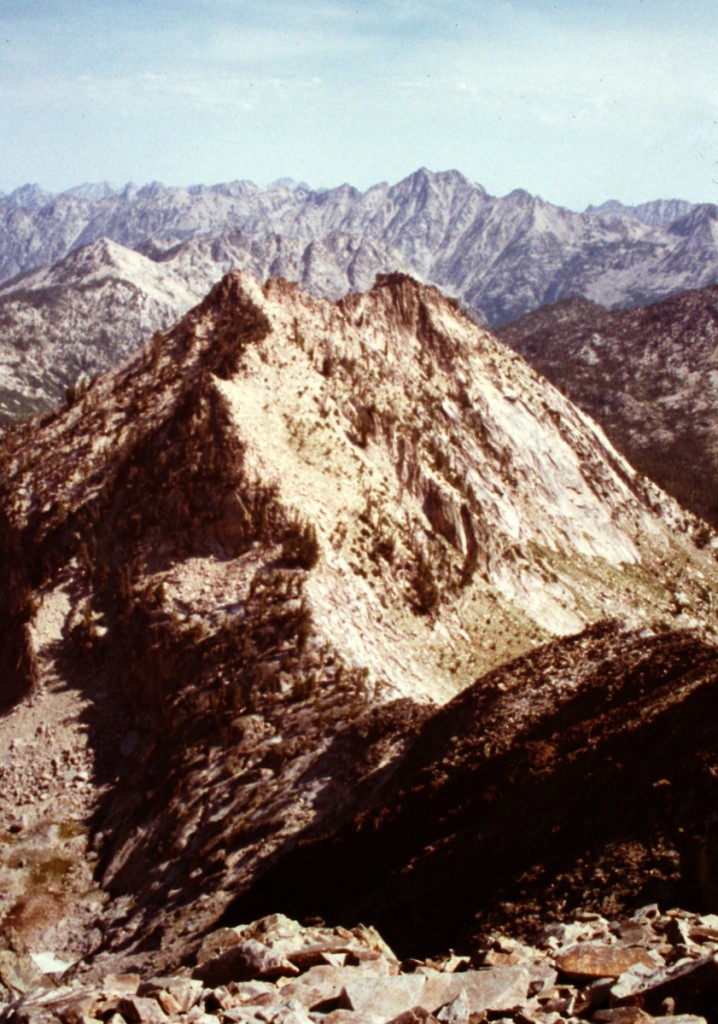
(633, 981)
(313, 956)
(218, 941)
(291, 1013)
(198, 1016)
(370, 938)
(248, 959)
(139, 1010)
(543, 976)
(321, 985)
(496, 989)
(418, 1015)
(120, 984)
(691, 986)
(599, 960)
(455, 1012)
(561, 999)
(370, 960)
(74, 1009)
(391, 994)
(185, 992)
(258, 993)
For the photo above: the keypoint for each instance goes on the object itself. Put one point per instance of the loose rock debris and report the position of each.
(652, 966)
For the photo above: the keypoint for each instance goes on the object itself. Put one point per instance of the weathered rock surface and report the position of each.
(648, 376)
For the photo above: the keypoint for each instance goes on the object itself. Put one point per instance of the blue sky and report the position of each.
(577, 100)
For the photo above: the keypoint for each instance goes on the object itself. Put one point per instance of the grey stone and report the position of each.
(321, 985)
(455, 1012)
(121, 984)
(690, 986)
(392, 993)
(217, 942)
(248, 959)
(184, 992)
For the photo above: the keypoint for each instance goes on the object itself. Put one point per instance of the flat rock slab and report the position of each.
(241, 962)
(392, 994)
(499, 988)
(140, 1010)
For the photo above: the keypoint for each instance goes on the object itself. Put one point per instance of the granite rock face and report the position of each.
(648, 376)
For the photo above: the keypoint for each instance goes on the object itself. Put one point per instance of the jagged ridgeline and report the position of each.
(281, 535)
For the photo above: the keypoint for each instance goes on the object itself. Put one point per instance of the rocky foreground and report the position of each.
(652, 966)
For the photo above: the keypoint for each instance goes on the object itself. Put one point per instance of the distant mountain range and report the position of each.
(500, 256)
(93, 271)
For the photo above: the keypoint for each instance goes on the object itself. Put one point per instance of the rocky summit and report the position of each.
(337, 609)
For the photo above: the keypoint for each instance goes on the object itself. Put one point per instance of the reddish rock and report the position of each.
(597, 960)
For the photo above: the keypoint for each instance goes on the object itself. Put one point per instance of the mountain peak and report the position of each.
(31, 197)
(275, 540)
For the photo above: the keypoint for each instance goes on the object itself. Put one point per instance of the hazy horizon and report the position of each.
(572, 101)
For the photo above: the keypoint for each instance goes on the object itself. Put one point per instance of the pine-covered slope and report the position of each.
(263, 551)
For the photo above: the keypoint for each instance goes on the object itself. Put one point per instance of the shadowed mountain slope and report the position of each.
(580, 777)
